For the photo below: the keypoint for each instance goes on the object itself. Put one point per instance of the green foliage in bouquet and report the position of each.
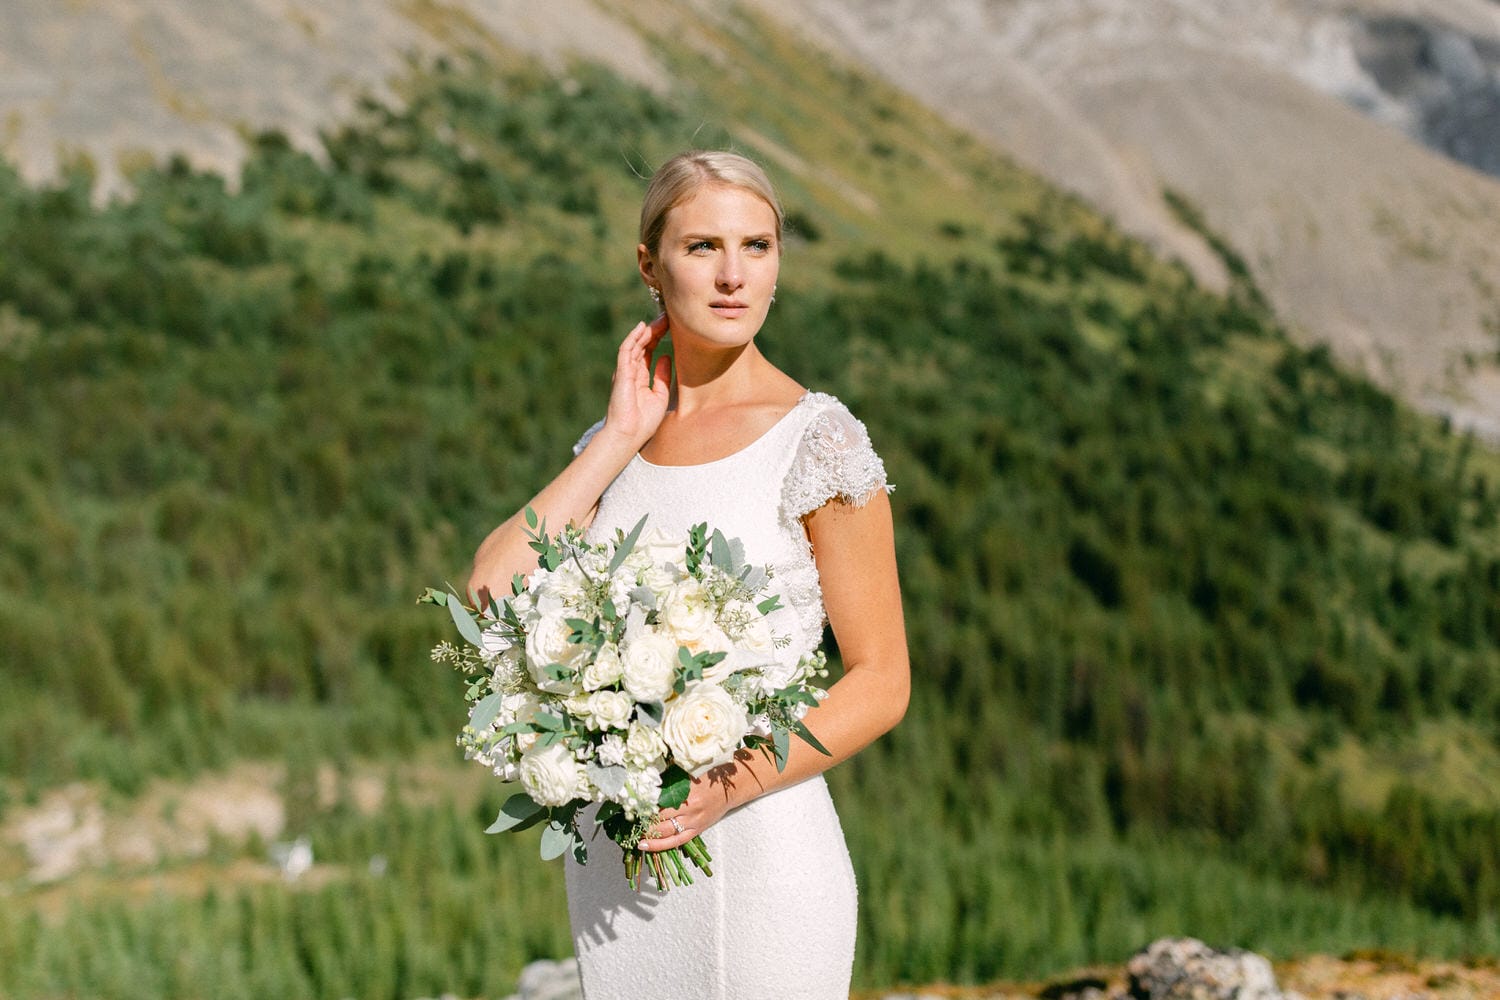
(689, 604)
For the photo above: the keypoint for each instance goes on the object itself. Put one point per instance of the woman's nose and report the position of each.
(729, 277)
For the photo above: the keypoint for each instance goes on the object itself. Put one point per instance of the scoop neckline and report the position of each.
(806, 395)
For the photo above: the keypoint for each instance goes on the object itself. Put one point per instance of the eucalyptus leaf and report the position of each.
(643, 596)
(627, 545)
(465, 623)
(770, 604)
(755, 577)
(781, 741)
(650, 712)
(556, 839)
(801, 730)
(518, 809)
(547, 721)
(484, 712)
(530, 518)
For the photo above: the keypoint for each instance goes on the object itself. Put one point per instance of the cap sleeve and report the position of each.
(588, 436)
(834, 461)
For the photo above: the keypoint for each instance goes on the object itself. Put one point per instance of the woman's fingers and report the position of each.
(670, 836)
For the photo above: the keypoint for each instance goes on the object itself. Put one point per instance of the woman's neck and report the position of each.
(711, 379)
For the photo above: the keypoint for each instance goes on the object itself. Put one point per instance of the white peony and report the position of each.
(643, 746)
(703, 727)
(547, 643)
(605, 668)
(649, 666)
(551, 776)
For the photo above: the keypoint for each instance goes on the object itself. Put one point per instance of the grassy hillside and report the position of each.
(1206, 632)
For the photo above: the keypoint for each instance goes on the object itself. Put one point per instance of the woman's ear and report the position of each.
(646, 264)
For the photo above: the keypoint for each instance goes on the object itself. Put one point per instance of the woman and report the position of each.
(734, 441)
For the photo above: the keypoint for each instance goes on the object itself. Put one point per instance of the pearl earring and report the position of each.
(655, 294)
(773, 295)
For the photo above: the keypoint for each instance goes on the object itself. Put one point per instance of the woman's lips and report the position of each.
(729, 307)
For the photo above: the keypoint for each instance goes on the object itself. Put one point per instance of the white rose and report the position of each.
(649, 666)
(547, 643)
(559, 589)
(522, 706)
(688, 613)
(643, 746)
(551, 776)
(605, 668)
(658, 559)
(609, 709)
(703, 727)
(757, 636)
(774, 676)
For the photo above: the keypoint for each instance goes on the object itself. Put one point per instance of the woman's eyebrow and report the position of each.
(714, 236)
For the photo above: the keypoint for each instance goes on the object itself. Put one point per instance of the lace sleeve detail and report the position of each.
(834, 461)
(588, 436)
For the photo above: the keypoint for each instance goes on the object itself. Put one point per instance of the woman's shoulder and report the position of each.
(834, 458)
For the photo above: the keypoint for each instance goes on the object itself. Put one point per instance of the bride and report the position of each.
(730, 439)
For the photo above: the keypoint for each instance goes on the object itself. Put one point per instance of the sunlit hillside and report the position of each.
(1206, 631)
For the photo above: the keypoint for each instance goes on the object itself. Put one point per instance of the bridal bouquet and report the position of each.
(617, 673)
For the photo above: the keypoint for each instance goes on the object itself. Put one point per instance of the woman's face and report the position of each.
(716, 266)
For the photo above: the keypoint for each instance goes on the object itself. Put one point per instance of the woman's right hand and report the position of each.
(639, 392)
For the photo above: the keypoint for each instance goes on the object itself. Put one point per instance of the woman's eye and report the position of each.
(700, 246)
(760, 246)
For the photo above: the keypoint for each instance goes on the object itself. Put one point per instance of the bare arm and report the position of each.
(855, 553)
(637, 403)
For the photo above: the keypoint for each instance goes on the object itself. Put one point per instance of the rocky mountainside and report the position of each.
(1289, 125)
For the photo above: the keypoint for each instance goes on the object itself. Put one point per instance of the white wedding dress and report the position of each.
(777, 919)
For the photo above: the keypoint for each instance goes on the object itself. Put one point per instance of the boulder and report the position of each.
(1188, 969)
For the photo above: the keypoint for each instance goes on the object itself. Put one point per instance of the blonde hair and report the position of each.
(676, 180)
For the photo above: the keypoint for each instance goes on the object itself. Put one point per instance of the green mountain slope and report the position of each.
(1206, 633)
